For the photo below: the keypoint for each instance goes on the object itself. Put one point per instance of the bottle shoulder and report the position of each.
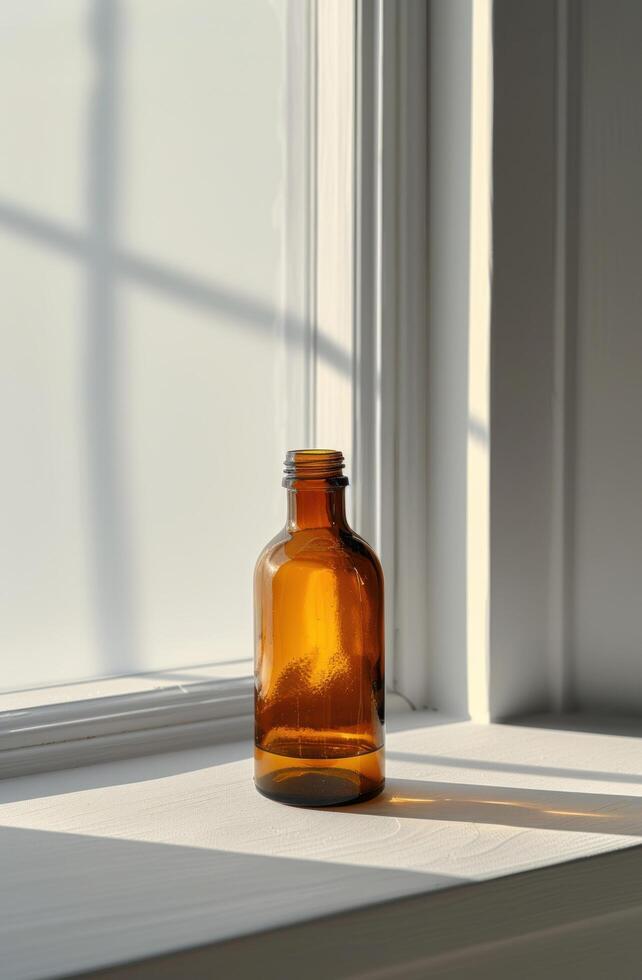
(318, 546)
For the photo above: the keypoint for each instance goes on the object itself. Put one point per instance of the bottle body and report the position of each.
(319, 662)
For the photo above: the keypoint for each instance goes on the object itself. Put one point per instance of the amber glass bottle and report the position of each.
(319, 665)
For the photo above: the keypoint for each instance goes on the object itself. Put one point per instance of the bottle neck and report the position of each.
(316, 508)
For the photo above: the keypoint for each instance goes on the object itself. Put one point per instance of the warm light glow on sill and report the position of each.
(510, 803)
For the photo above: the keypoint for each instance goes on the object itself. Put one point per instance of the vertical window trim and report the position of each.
(391, 322)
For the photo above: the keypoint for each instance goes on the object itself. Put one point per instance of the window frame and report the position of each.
(361, 297)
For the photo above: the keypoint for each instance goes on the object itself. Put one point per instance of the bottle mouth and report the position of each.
(324, 465)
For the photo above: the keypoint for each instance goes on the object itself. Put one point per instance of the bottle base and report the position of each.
(319, 782)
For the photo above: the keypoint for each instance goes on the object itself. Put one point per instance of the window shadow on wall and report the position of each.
(107, 266)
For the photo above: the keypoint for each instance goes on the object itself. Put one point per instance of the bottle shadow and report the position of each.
(508, 806)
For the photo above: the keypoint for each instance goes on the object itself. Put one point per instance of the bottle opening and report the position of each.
(314, 464)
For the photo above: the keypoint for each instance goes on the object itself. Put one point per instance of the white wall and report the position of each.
(522, 348)
(145, 399)
(607, 533)
(566, 427)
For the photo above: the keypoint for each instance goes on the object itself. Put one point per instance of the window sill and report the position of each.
(139, 858)
(70, 725)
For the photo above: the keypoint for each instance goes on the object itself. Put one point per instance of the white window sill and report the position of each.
(70, 725)
(132, 859)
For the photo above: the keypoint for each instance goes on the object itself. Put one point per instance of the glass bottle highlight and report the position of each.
(319, 662)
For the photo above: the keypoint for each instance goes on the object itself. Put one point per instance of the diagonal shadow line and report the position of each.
(23, 222)
(125, 772)
(177, 286)
(216, 298)
(487, 765)
(160, 897)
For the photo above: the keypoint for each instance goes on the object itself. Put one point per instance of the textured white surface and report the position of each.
(176, 850)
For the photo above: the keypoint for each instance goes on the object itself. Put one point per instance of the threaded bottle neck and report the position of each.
(310, 469)
(316, 489)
